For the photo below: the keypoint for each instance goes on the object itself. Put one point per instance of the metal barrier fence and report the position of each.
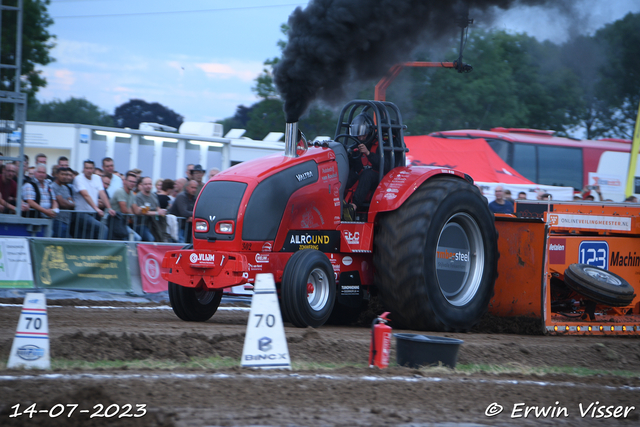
(126, 227)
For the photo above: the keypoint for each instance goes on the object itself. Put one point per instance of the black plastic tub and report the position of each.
(415, 350)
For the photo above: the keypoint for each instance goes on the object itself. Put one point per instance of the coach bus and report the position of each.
(547, 159)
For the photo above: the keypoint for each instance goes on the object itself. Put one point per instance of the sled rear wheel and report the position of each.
(599, 285)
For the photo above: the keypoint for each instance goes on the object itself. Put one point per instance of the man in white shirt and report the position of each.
(89, 189)
(123, 198)
(116, 181)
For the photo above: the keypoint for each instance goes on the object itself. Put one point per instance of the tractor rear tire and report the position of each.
(308, 289)
(193, 304)
(599, 285)
(436, 257)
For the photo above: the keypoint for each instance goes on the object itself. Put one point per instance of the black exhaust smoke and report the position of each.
(334, 42)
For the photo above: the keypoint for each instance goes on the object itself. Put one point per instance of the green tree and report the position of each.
(132, 113)
(265, 87)
(444, 99)
(265, 116)
(549, 89)
(37, 42)
(584, 55)
(239, 120)
(318, 121)
(588, 83)
(619, 86)
(73, 110)
(512, 85)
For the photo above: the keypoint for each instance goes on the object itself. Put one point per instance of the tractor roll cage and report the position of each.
(390, 130)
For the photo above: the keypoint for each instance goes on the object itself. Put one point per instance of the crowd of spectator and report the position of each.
(101, 203)
(504, 202)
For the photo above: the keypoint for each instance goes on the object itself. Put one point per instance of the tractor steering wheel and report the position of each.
(352, 149)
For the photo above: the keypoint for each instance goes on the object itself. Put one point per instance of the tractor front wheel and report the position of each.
(436, 257)
(308, 289)
(193, 304)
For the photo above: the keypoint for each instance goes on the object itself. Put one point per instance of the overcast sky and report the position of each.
(200, 57)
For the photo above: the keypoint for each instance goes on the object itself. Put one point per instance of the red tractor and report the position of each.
(425, 243)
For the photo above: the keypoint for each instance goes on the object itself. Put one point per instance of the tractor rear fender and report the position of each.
(401, 182)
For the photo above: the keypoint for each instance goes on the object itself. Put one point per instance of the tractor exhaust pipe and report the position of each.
(290, 139)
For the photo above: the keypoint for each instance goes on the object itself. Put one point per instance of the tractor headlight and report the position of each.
(201, 226)
(224, 227)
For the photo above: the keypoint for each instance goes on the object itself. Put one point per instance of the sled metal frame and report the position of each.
(527, 264)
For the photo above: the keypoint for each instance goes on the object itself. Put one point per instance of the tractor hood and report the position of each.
(262, 168)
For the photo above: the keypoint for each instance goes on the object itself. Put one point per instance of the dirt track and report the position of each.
(346, 396)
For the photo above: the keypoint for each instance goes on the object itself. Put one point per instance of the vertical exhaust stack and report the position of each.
(291, 139)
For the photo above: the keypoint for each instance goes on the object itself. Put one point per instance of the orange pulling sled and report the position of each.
(573, 265)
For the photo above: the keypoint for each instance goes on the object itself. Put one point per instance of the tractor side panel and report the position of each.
(267, 204)
(312, 214)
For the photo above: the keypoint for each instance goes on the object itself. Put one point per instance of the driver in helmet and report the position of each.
(365, 169)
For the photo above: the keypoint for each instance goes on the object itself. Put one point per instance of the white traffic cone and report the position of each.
(265, 345)
(30, 347)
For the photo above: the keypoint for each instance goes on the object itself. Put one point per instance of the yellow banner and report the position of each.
(633, 161)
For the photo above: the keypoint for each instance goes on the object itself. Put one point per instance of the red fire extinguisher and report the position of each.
(380, 342)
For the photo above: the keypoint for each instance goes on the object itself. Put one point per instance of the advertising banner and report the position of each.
(15, 263)
(150, 259)
(607, 183)
(589, 222)
(81, 264)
